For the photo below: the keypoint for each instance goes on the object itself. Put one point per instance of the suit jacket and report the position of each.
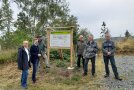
(108, 46)
(34, 51)
(23, 63)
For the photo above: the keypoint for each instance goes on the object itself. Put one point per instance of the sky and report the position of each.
(118, 15)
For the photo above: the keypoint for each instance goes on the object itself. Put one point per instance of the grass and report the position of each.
(58, 78)
(126, 45)
(8, 56)
(123, 46)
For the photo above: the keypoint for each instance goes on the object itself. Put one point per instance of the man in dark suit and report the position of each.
(108, 55)
(23, 63)
(34, 51)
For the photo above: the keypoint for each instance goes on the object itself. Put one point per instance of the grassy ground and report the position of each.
(7, 56)
(56, 78)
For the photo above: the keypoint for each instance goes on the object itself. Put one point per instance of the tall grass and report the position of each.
(8, 56)
(125, 46)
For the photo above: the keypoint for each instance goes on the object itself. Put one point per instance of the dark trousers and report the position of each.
(113, 64)
(79, 60)
(24, 77)
(35, 67)
(86, 65)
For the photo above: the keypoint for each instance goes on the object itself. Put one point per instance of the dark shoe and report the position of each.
(47, 66)
(24, 87)
(78, 66)
(34, 82)
(117, 78)
(93, 74)
(105, 76)
(84, 74)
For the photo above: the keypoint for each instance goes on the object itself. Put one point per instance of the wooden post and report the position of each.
(71, 49)
(48, 44)
(0, 48)
(61, 54)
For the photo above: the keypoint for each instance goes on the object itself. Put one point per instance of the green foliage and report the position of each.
(43, 12)
(6, 21)
(76, 78)
(60, 63)
(84, 32)
(8, 56)
(54, 54)
(66, 56)
(33, 18)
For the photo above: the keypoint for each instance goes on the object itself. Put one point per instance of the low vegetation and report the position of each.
(124, 46)
(57, 77)
(8, 56)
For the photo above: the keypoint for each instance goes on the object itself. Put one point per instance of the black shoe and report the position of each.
(24, 87)
(84, 74)
(117, 78)
(34, 82)
(47, 66)
(77, 67)
(105, 76)
(93, 74)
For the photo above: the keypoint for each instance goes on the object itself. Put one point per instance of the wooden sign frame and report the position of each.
(49, 30)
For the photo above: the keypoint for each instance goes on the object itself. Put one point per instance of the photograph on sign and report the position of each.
(60, 39)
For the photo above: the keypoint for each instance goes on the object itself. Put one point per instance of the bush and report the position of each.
(54, 54)
(8, 56)
(60, 63)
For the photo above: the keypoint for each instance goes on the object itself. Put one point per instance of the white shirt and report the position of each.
(27, 53)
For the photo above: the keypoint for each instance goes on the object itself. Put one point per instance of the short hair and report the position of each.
(91, 35)
(35, 39)
(25, 41)
(107, 34)
(80, 36)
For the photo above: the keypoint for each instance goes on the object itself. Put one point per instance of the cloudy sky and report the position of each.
(118, 15)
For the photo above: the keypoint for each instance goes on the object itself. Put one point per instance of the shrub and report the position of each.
(60, 63)
(8, 56)
(54, 54)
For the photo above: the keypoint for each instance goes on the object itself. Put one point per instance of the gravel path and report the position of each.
(125, 65)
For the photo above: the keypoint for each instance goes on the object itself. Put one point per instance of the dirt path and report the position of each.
(62, 79)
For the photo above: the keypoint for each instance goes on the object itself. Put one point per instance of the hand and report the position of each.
(39, 55)
(109, 53)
